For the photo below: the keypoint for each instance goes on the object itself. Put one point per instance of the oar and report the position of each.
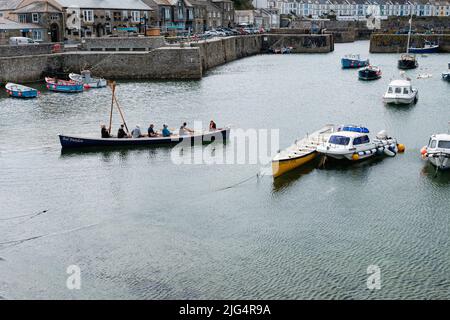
(113, 88)
(121, 114)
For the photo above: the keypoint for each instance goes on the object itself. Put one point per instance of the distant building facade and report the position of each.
(358, 9)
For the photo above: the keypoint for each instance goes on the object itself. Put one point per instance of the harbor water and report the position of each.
(139, 226)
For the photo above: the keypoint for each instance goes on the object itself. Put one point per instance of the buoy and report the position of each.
(423, 151)
(355, 156)
(401, 147)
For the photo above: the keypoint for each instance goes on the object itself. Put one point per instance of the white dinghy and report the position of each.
(87, 80)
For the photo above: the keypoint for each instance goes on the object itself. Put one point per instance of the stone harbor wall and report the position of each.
(188, 61)
(396, 43)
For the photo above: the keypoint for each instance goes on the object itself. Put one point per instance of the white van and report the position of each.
(20, 41)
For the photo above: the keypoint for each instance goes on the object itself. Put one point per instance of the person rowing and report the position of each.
(184, 130)
(105, 132)
(151, 131)
(165, 131)
(136, 133)
(212, 126)
(121, 132)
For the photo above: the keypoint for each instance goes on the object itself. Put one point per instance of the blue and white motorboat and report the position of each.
(20, 91)
(353, 143)
(428, 47)
(354, 61)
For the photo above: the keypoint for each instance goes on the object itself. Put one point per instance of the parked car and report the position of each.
(20, 41)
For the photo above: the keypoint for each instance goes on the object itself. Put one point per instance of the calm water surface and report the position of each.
(141, 227)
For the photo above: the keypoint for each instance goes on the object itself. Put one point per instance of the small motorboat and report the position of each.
(353, 143)
(407, 61)
(87, 80)
(428, 47)
(401, 92)
(446, 75)
(369, 73)
(301, 152)
(437, 152)
(19, 91)
(353, 61)
(58, 85)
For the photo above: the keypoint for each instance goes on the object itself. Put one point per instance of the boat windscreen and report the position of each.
(341, 140)
(444, 144)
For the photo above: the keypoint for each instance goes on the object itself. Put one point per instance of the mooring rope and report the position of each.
(258, 175)
(11, 243)
(31, 215)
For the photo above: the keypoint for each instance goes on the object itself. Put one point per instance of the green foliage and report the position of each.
(242, 4)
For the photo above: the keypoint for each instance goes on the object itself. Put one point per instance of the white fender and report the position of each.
(389, 152)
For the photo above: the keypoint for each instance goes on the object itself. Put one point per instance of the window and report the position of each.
(398, 90)
(37, 35)
(88, 15)
(167, 13)
(1, 14)
(108, 14)
(433, 144)
(405, 91)
(22, 18)
(35, 17)
(390, 90)
(125, 14)
(444, 144)
(135, 16)
(117, 16)
(180, 13)
(341, 140)
(361, 140)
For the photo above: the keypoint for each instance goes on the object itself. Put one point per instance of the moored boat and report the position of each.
(86, 79)
(446, 75)
(437, 152)
(428, 47)
(353, 61)
(75, 141)
(369, 73)
(301, 152)
(68, 86)
(407, 61)
(401, 92)
(353, 143)
(20, 91)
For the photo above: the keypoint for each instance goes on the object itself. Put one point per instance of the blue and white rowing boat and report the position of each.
(19, 91)
(58, 85)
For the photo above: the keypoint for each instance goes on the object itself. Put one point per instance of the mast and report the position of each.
(409, 32)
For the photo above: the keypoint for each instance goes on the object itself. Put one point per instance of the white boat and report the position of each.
(401, 92)
(301, 152)
(437, 152)
(86, 79)
(353, 143)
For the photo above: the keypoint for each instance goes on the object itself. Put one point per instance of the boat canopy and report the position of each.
(352, 128)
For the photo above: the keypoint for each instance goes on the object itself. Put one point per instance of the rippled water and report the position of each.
(139, 226)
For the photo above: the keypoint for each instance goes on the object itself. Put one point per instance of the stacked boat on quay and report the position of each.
(345, 142)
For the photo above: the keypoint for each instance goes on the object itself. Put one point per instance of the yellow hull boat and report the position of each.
(301, 152)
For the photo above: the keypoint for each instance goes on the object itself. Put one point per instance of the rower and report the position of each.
(185, 130)
(136, 133)
(212, 126)
(121, 133)
(105, 132)
(165, 131)
(151, 131)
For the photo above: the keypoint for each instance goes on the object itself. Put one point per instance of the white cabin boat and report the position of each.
(401, 92)
(86, 79)
(437, 152)
(353, 143)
